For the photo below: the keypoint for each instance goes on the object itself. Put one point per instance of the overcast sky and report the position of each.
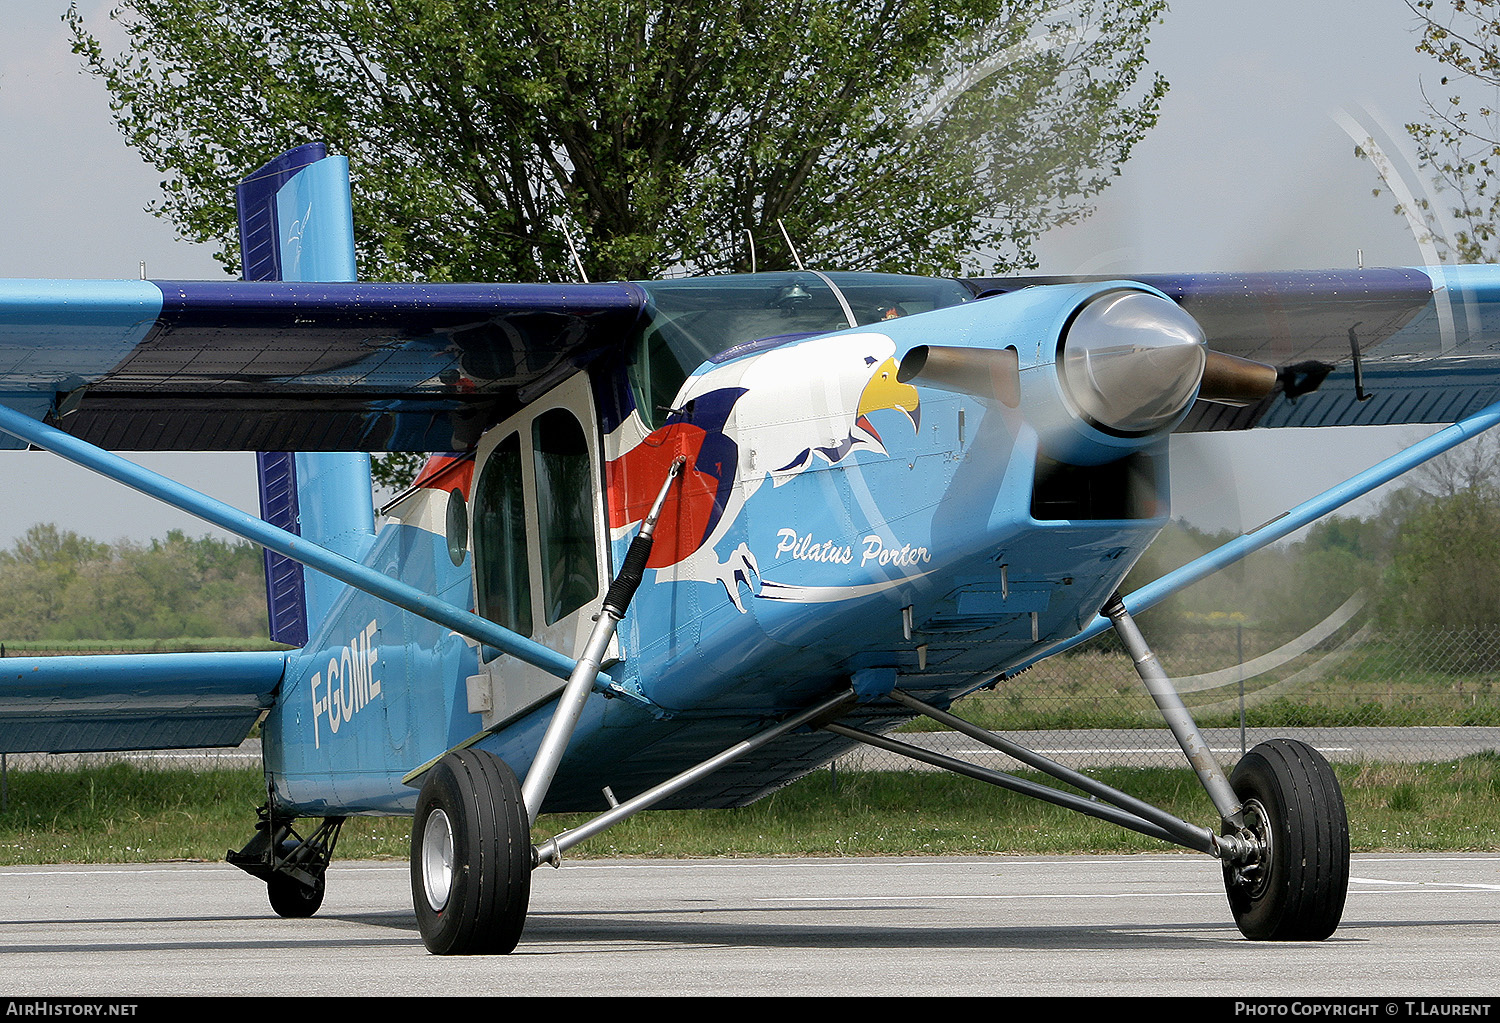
(1251, 167)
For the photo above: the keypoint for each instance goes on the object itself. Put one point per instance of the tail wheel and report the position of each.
(292, 898)
(1294, 809)
(471, 856)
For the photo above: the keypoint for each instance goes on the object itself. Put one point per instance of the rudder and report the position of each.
(296, 224)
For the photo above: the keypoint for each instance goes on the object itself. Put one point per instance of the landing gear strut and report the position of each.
(1286, 864)
(1283, 838)
(471, 851)
(292, 867)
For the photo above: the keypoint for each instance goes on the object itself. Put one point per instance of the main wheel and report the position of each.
(470, 856)
(1295, 809)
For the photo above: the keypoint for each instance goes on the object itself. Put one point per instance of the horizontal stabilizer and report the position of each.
(103, 702)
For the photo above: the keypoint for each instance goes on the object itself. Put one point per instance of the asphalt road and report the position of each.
(1086, 748)
(1080, 749)
(1415, 927)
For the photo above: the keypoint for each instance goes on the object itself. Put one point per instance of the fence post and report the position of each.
(4, 775)
(1239, 652)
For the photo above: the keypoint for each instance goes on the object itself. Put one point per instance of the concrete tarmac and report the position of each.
(1415, 926)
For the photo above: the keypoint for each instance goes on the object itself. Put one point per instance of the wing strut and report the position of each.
(345, 570)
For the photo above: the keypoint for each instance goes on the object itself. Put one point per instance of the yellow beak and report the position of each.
(885, 392)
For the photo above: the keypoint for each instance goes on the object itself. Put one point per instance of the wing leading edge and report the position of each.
(1406, 345)
(272, 366)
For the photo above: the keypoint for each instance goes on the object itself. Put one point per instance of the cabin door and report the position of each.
(539, 542)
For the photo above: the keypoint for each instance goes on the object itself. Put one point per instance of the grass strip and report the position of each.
(122, 813)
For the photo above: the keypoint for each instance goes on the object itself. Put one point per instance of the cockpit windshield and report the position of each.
(701, 319)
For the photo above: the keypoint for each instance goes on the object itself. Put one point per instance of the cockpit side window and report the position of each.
(874, 298)
(694, 320)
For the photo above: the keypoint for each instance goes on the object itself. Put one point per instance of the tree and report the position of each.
(1446, 571)
(1459, 144)
(60, 586)
(489, 139)
(36, 573)
(1444, 539)
(1472, 465)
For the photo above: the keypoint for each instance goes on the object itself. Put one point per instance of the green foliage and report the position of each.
(60, 586)
(1445, 574)
(1428, 559)
(120, 813)
(1285, 587)
(1458, 143)
(394, 471)
(489, 138)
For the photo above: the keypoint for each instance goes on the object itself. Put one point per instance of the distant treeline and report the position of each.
(1425, 561)
(57, 585)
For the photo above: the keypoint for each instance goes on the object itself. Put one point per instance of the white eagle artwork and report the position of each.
(842, 378)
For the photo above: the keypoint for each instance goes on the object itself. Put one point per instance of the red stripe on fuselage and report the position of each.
(691, 508)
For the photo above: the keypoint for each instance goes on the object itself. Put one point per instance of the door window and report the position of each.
(565, 513)
(500, 551)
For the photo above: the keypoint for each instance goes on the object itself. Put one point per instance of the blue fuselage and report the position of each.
(837, 526)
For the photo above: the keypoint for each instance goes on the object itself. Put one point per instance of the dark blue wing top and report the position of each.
(142, 365)
(1407, 345)
(272, 366)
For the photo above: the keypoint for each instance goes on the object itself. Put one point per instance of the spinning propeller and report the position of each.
(1128, 363)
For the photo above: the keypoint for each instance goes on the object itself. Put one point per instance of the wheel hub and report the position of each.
(1253, 875)
(437, 859)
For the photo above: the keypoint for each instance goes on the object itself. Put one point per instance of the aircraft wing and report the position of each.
(1408, 345)
(280, 366)
(273, 366)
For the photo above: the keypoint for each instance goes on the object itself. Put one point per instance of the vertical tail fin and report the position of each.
(286, 599)
(296, 224)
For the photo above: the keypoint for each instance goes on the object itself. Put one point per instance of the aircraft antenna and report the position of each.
(795, 258)
(576, 261)
(750, 236)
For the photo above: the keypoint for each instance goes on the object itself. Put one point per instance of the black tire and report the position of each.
(470, 856)
(291, 898)
(1294, 806)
